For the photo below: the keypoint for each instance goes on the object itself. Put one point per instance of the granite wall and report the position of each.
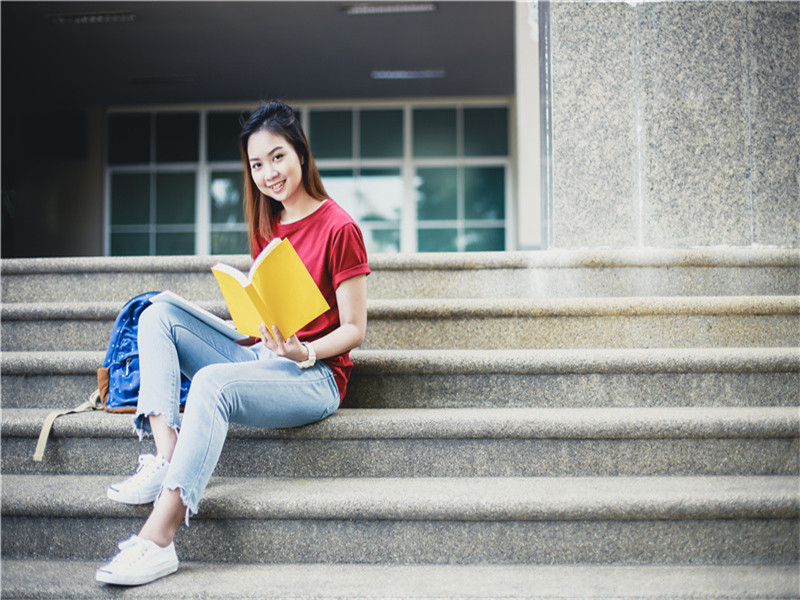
(674, 124)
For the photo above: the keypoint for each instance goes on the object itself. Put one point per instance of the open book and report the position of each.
(278, 290)
(211, 319)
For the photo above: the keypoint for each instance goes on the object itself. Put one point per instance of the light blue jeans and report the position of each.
(230, 383)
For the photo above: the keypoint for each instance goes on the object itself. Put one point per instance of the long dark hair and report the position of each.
(261, 211)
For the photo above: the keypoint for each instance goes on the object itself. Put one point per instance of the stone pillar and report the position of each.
(528, 130)
(675, 124)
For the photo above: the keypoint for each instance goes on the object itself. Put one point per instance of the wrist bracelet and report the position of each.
(312, 357)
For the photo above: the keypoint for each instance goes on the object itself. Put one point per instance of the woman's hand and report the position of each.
(289, 348)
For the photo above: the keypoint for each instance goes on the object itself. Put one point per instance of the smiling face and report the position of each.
(275, 167)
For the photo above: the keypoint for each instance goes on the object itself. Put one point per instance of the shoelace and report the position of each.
(131, 541)
(130, 552)
(147, 464)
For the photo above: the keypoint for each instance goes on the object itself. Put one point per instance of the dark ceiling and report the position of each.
(205, 52)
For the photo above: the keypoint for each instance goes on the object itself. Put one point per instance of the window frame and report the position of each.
(407, 164)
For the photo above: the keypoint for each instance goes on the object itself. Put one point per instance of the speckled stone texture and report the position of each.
(56, 580)
(765, 321)
(719, 520)
(775, 81)
(594, 136)
(675, 124)
(562, 273)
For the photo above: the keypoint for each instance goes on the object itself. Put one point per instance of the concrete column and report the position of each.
(676, 124)
(527, 133)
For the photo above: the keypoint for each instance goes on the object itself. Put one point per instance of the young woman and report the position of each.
(261, 383)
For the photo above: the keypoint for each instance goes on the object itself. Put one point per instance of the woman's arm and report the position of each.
(351, 298)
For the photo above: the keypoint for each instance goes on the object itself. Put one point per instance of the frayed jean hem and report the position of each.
(141, 424)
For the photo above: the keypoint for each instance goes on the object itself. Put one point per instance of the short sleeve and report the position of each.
(348, 254)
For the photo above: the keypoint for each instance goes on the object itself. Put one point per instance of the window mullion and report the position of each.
(202, 238)
(460, 193)
(408, 218)
(153, 175)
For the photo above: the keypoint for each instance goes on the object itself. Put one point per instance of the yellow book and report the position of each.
(278, 290)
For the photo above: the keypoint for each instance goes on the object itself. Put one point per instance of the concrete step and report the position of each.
(556, 273)
(375, 520)
(57, 580)
(488, 442)
(487, 378)
(759, 321)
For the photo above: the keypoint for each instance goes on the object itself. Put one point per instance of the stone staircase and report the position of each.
(561, 424)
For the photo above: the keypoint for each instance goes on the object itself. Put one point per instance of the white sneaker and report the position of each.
(143, 486)
(138, 561)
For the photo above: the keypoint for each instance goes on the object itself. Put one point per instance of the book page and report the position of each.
(246, 307)
(263, 255)
(288, 290)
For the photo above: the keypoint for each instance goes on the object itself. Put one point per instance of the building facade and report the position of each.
(622, 125)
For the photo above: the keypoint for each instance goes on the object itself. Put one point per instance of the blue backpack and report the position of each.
(118, 379)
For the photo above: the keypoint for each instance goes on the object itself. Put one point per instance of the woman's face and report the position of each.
(275, 166)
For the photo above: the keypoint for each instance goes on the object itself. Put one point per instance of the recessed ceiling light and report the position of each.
(163, 80)
(408, 74)
(99, 18)
(387, 8)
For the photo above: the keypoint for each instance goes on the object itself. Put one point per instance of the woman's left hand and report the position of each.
(287, 348)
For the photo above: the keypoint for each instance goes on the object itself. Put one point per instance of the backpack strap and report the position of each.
(93, 403)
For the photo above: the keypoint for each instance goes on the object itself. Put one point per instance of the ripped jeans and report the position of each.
(246, 385)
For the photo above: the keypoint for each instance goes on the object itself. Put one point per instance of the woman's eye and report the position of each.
(277, 157)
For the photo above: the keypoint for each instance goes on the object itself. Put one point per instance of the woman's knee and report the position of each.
(157, 315)
(207, 386)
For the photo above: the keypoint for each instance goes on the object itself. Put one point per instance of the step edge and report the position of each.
(719, 256)
(472, 307)
(434, 499)
(492, 361)
(466, 423)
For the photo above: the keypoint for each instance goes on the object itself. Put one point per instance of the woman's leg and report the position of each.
(171, 342)
(272, 392)
(269, 393)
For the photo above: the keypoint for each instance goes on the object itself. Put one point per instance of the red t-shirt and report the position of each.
(332, 248)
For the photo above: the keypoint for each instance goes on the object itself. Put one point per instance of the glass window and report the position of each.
(374, 198)
(130, 244)
(382, 240)
(379, 193)
(341, 186)
(229, 242)
(331, 133)
(484, 193)
(223, 129)
(418, 176)
(177, 137)
(381, 133)
(484, 239)
(485, 132)
(226, 197)
(171, 243)
(372, 195)
(437, 240)
(128, 139)
(437, 193)
(435, 132)
(130, 194)
(175, 198)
